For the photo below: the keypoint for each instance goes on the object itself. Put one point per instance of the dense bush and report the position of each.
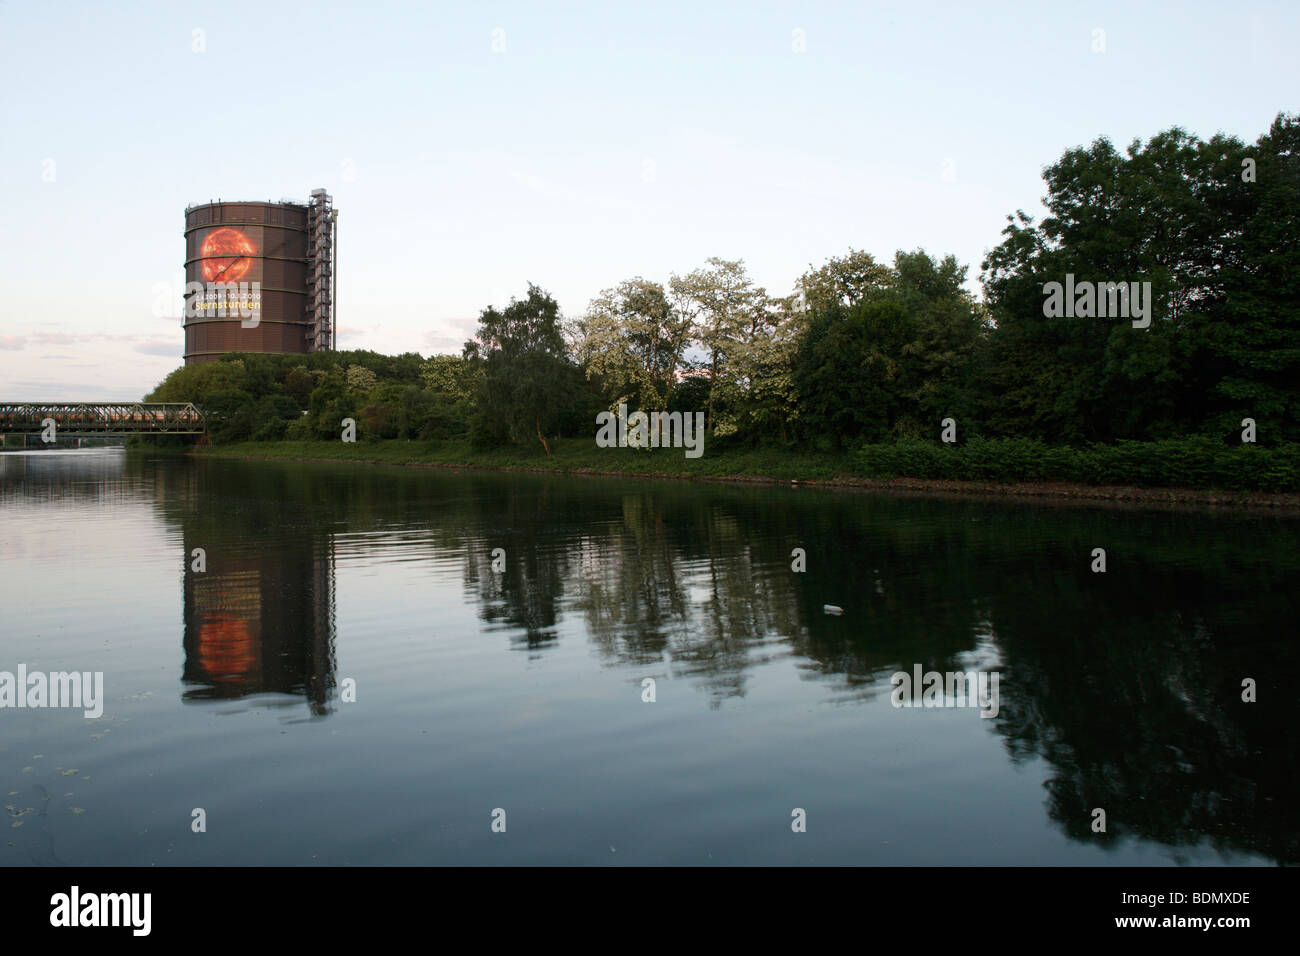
(301, 397)
(1195, 462)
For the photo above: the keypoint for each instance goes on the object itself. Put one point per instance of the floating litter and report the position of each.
(832, 609)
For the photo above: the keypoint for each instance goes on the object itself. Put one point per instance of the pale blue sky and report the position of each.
(605, 141)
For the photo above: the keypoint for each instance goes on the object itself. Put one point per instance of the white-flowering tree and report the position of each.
(633, 340)
(727, 311)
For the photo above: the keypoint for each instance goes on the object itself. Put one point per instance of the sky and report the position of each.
(473, 148)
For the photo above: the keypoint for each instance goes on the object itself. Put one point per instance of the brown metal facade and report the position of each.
(248, 242)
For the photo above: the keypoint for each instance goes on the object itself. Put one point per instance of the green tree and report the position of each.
(633, 341)
(936, 378)
(299, 382)
(194, 383)
(361, 380)
(1255, 338)
(1218, 250)
(843, 280)
(331, 402)
(891, 357)
(725, 309)
(757, 395)
(526, 384)
(450, 375)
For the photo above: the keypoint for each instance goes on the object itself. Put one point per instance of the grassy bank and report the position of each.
(571, 456)
(1200, 463)
(1193, 470)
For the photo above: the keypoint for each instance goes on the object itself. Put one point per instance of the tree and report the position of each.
(848, 368)
(299, 382)
(844, 280)
(725, 307)
(1219, 249)
(633, 340)
(936, 378)
(526, 383)
(1255, 339)
(361, 380)
(760, 394)
(890, 356)
(194, 383)
(331, 402)
(450, 375)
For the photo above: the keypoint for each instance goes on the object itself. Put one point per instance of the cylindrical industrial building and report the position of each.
(258, 277)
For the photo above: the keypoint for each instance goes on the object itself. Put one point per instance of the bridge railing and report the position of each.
(102, 418)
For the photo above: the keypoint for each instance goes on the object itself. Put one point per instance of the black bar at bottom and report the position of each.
(908, 904)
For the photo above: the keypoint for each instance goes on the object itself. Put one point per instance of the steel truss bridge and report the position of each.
(83, 419)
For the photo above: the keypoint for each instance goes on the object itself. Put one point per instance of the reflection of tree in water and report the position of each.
(1131, 688)
(672, 585)
(526, 594)
(628, 587)
(1127, 683)
(733, 618)
(905, 582)
(707, 586)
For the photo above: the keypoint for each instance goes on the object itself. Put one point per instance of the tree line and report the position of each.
(864, 352)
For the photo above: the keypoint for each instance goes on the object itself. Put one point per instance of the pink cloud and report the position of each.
(165, 347)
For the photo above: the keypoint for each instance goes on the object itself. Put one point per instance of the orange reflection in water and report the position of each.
(227, 652)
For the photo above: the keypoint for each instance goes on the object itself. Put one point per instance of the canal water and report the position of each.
(313, 664)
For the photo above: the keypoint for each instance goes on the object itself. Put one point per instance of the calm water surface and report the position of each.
(522, 689)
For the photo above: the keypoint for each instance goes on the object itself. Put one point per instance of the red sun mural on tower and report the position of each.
(227, 255)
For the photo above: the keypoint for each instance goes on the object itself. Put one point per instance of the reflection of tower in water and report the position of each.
(261, 621)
